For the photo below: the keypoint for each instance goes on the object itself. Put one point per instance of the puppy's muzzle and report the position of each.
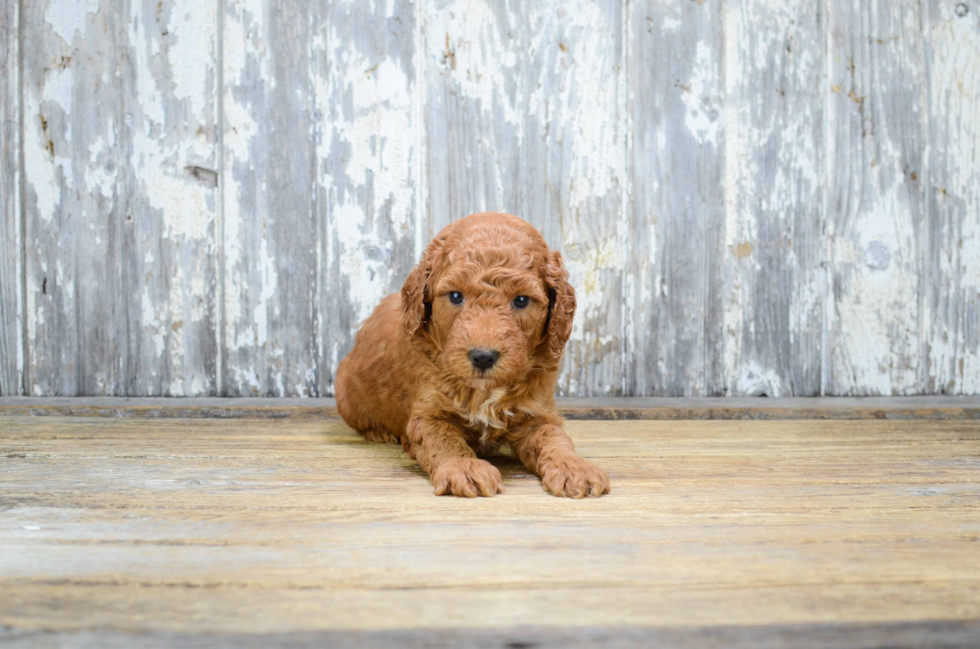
(483, 359)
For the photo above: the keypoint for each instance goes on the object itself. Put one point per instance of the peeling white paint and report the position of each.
(67, 19)
(43, 158)
(703, 106)
(190, 56)
(473, 48)
(954, 323)
(380, 135)
(754, 380)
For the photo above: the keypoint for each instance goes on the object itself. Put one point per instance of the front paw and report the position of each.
(467, 476)
(575, 477)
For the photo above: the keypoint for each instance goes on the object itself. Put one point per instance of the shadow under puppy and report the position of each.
(466, 358)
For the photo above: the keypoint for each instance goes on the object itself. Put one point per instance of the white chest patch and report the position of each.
(489, 414)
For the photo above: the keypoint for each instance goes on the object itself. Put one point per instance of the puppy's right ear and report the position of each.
(416, 294)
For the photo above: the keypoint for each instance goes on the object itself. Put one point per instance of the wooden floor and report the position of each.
(121, 531)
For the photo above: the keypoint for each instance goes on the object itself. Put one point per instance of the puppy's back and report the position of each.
(372, 380)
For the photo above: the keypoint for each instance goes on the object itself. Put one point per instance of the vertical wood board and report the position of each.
(575, 148)
(269, 232)
(525, 114)
(952, 259)
(775, 282)
(11, 246)
(76, 306)
(677, 214)
(118, 123)
(369, 157)
(169, 196)
(876, 205)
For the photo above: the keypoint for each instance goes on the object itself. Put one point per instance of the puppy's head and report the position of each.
(490, 300)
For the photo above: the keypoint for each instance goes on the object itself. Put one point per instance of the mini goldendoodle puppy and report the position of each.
(466, 358)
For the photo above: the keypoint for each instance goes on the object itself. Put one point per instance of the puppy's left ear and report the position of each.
(561, 304)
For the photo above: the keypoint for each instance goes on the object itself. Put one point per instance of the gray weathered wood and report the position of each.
(369, 157)
(168, 196)
(119, 150)
(474, 74)
(11, 247)
(575, 146)
(526, 114)
(269, 230)
(752, 197)
(952, 255)
(572, 408)
(842, 635)
(677, 218)
(876, 206)
(73, 124)
(775, 282)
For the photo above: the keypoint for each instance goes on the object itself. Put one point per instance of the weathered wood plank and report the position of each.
(575, 145)
(774, 246)
(473, 73)
(76, 224)
(119, 150)
(931, 407)
(11, 246)
(914, 635)
(369, 152)
(168, 195)
(952, 263)
(249, 527)
(674, 310)
(876, 208)
(525, 115)
(269, 227)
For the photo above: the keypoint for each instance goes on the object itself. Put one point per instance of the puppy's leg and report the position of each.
(547, 450)
(442, 452)
(382, 436)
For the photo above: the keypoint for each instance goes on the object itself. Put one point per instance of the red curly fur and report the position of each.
(409, 378)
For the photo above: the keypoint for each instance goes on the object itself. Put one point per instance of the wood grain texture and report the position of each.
(369, 157)
(952, 284)
(752, 197)
(611, 408)
(119, 145)
(253, 527)
(914, 635)
(774, 253)
(270, 232)
(11, 246)
(474, 78)
(677, 218)
(575, 142)
(168, 197)
(876, 211)
(77, 325)
(524, 115)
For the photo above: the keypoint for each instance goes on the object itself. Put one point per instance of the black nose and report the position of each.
(483, 359)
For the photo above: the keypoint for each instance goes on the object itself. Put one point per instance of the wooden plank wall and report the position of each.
(753, 197)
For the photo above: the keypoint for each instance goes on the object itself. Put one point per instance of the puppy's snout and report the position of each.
(483, 359)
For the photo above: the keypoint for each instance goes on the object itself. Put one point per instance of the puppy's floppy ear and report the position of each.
(561, 304)
(416, 294)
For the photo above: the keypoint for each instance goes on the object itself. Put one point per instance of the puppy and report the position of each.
(466, 358)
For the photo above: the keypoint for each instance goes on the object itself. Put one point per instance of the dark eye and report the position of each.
(521, 301)
(456, 297)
